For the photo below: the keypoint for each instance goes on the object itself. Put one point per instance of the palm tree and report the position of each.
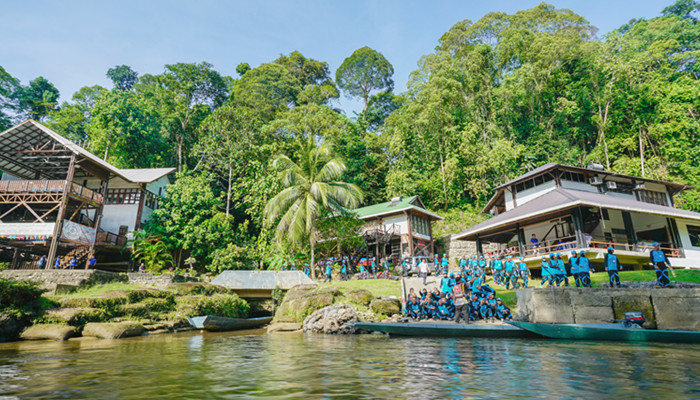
(310, 188)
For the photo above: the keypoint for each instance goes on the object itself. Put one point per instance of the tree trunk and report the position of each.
(179, 155)
(312, 265)
(106, 152)
(444, 182)
(641, 151)
(228, 192)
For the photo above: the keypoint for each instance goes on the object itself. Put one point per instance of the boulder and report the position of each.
(75, 316)
(386, 306)
(10, 326)
(300, 303)
(113, 330)
(332, 320)
(49, 332)
(284, 327)
(359, 296)
(62, 288)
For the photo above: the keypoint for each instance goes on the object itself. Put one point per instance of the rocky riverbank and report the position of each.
(327, 309)
(112, 311)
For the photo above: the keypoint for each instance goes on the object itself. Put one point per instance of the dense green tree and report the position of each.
(364, 72)
(72, 118)
(269, 89)
(8, 101)
(310, 188)
(313, 76)
(37, 99)
(123, 77)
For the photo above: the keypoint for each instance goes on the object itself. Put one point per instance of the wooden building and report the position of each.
(59, 200)
(400, 228)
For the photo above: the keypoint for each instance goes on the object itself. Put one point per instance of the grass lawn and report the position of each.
(378, 287)
(99, 290)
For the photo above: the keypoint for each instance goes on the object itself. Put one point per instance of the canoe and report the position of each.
(221, 324)
(447, 329)
(612, 332)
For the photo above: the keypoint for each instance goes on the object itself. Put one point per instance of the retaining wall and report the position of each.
(663, 308)
(53, 279)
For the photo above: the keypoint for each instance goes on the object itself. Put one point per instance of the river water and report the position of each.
(252, 364)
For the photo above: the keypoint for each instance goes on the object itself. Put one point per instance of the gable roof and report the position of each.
(561, 199)
(394, 207)
(145, 175)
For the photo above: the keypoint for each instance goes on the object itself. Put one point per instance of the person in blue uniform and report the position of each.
(573, 267)
(414, 310)
(502, 311)
(481, 272)
(445, 263)
(584, 269)
(443, 311)
(612, 265)
(293, 268)
(373, 268)
(510, 276)
(307, 271)
(485, 311)
(344, 271)
(561, 267)
(524, 272)
(545, 271)
(284, 267)
(492, 301)
(498, 270)
(661, 264)
(474, 308)
(463, 264)
(429, 308)
(445, 286)
(437, 265)
(404, 267)
(329, 272)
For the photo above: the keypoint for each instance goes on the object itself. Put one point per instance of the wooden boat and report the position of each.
(221, 324)
(613, 332)
(447, 329)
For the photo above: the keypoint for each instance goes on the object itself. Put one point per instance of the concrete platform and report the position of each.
(260, 284)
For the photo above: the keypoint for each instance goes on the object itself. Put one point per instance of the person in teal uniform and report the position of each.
(661, 264)
(573, 267)
(612, 265)
(584, 269)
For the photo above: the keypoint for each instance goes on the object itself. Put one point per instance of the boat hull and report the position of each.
(447, 330)
(222, 324)
(609, 332)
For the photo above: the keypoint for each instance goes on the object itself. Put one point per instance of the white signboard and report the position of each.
(26, 231)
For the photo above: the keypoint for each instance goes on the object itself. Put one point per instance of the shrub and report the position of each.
(220, 305)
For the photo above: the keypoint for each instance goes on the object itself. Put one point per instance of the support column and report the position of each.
(410, 233)
(479, 246)
(521, 240)
(432, 239)
(98, 218)
(15, 259)
(629, 228)
(675, 235)
(578, 228)
(61, 213)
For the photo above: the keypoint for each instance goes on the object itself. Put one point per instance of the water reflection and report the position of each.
(250, 364)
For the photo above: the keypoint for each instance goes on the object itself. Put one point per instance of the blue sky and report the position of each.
(73, 43)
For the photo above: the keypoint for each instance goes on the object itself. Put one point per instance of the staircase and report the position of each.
(80, 253)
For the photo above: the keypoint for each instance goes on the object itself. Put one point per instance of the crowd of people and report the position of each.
(460, 296)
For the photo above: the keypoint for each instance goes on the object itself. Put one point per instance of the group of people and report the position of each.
(461, 296)
(72, 263)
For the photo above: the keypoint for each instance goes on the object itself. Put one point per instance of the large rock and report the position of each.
(303, 300)
(386, 306)
(332, 320)
(359, 296)
(49, 332)
(284, 327)
(113, 330)
(75, 316)
(10, 326)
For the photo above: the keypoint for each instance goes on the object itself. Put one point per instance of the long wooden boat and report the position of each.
(612, 332)
(447, 329)
(221, 324)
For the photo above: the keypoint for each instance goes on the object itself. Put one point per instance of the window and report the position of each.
(123, 196)
(694, 233)
(606, 215)
(649, 196)
(573, 177)
(151, 200)
(420, 225)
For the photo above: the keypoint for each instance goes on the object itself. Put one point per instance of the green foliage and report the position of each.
(37, 99)
(364, 72)
(231, 257)
(123, 77)
(152, 251)
(220, 305)
(19, 294)
(8, 101)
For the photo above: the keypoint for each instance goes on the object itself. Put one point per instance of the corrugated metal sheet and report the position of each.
(146, 175)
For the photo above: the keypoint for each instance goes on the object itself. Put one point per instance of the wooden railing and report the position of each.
(49, 186)
(591, 242)
(110, 238)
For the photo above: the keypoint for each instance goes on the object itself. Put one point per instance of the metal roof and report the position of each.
(394, 207)
(145, 175)
(560, 199)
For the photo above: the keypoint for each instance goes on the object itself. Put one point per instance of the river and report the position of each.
(251, 364)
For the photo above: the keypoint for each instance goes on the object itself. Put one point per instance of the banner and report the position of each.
(26, 231)
(78, 233)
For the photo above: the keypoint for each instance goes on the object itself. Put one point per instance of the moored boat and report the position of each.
(611, 332)
(447, 329)
(221, 324)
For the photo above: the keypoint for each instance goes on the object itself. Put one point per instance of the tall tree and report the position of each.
(269, 89)
(313, 76)
(37, 99)
(311, 187)
(72, 118)
(8, 101)
(364, 72)
(123, 77)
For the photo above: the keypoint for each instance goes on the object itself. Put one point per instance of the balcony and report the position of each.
(109, 238)
(44, 191)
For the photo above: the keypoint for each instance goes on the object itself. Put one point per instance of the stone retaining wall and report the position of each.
(669, 308)
(457, 248)
(51, 279)
(153, 280)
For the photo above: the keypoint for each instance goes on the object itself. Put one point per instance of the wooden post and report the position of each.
(578, 228)
(15, 259)
(629, 228)
(98, 218)
(479, 246)
(410, 233)
(142, 201)
(521, 240)
(61, 213)
(432, 240)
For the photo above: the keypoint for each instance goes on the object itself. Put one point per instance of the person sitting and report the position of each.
(485, 311)
(502, 311)
(443, 311)
(429, 308)
(414, 308)
(423, 294)
(491, 300)
(535, 244)
(142, 268)
(474, 308)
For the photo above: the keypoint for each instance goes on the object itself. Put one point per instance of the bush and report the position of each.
(231, 257)
(220, 305)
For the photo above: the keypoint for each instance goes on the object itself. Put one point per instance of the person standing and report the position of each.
(344, 270)
(612, 265)
(524, 272)
(142, 268)
(545, 272)
(661, 264)
(423, 269)
(573, 267)
(563, 276)
(445, 263)
(461, 306)
(92, 262)
(57, 263)
(329, 272)
(584, 269)
(42, 262)
(307, 271)
(73, 262)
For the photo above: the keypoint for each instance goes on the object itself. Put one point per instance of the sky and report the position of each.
(74, 43)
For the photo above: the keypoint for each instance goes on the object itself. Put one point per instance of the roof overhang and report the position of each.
(470, 234)
(400, 211)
